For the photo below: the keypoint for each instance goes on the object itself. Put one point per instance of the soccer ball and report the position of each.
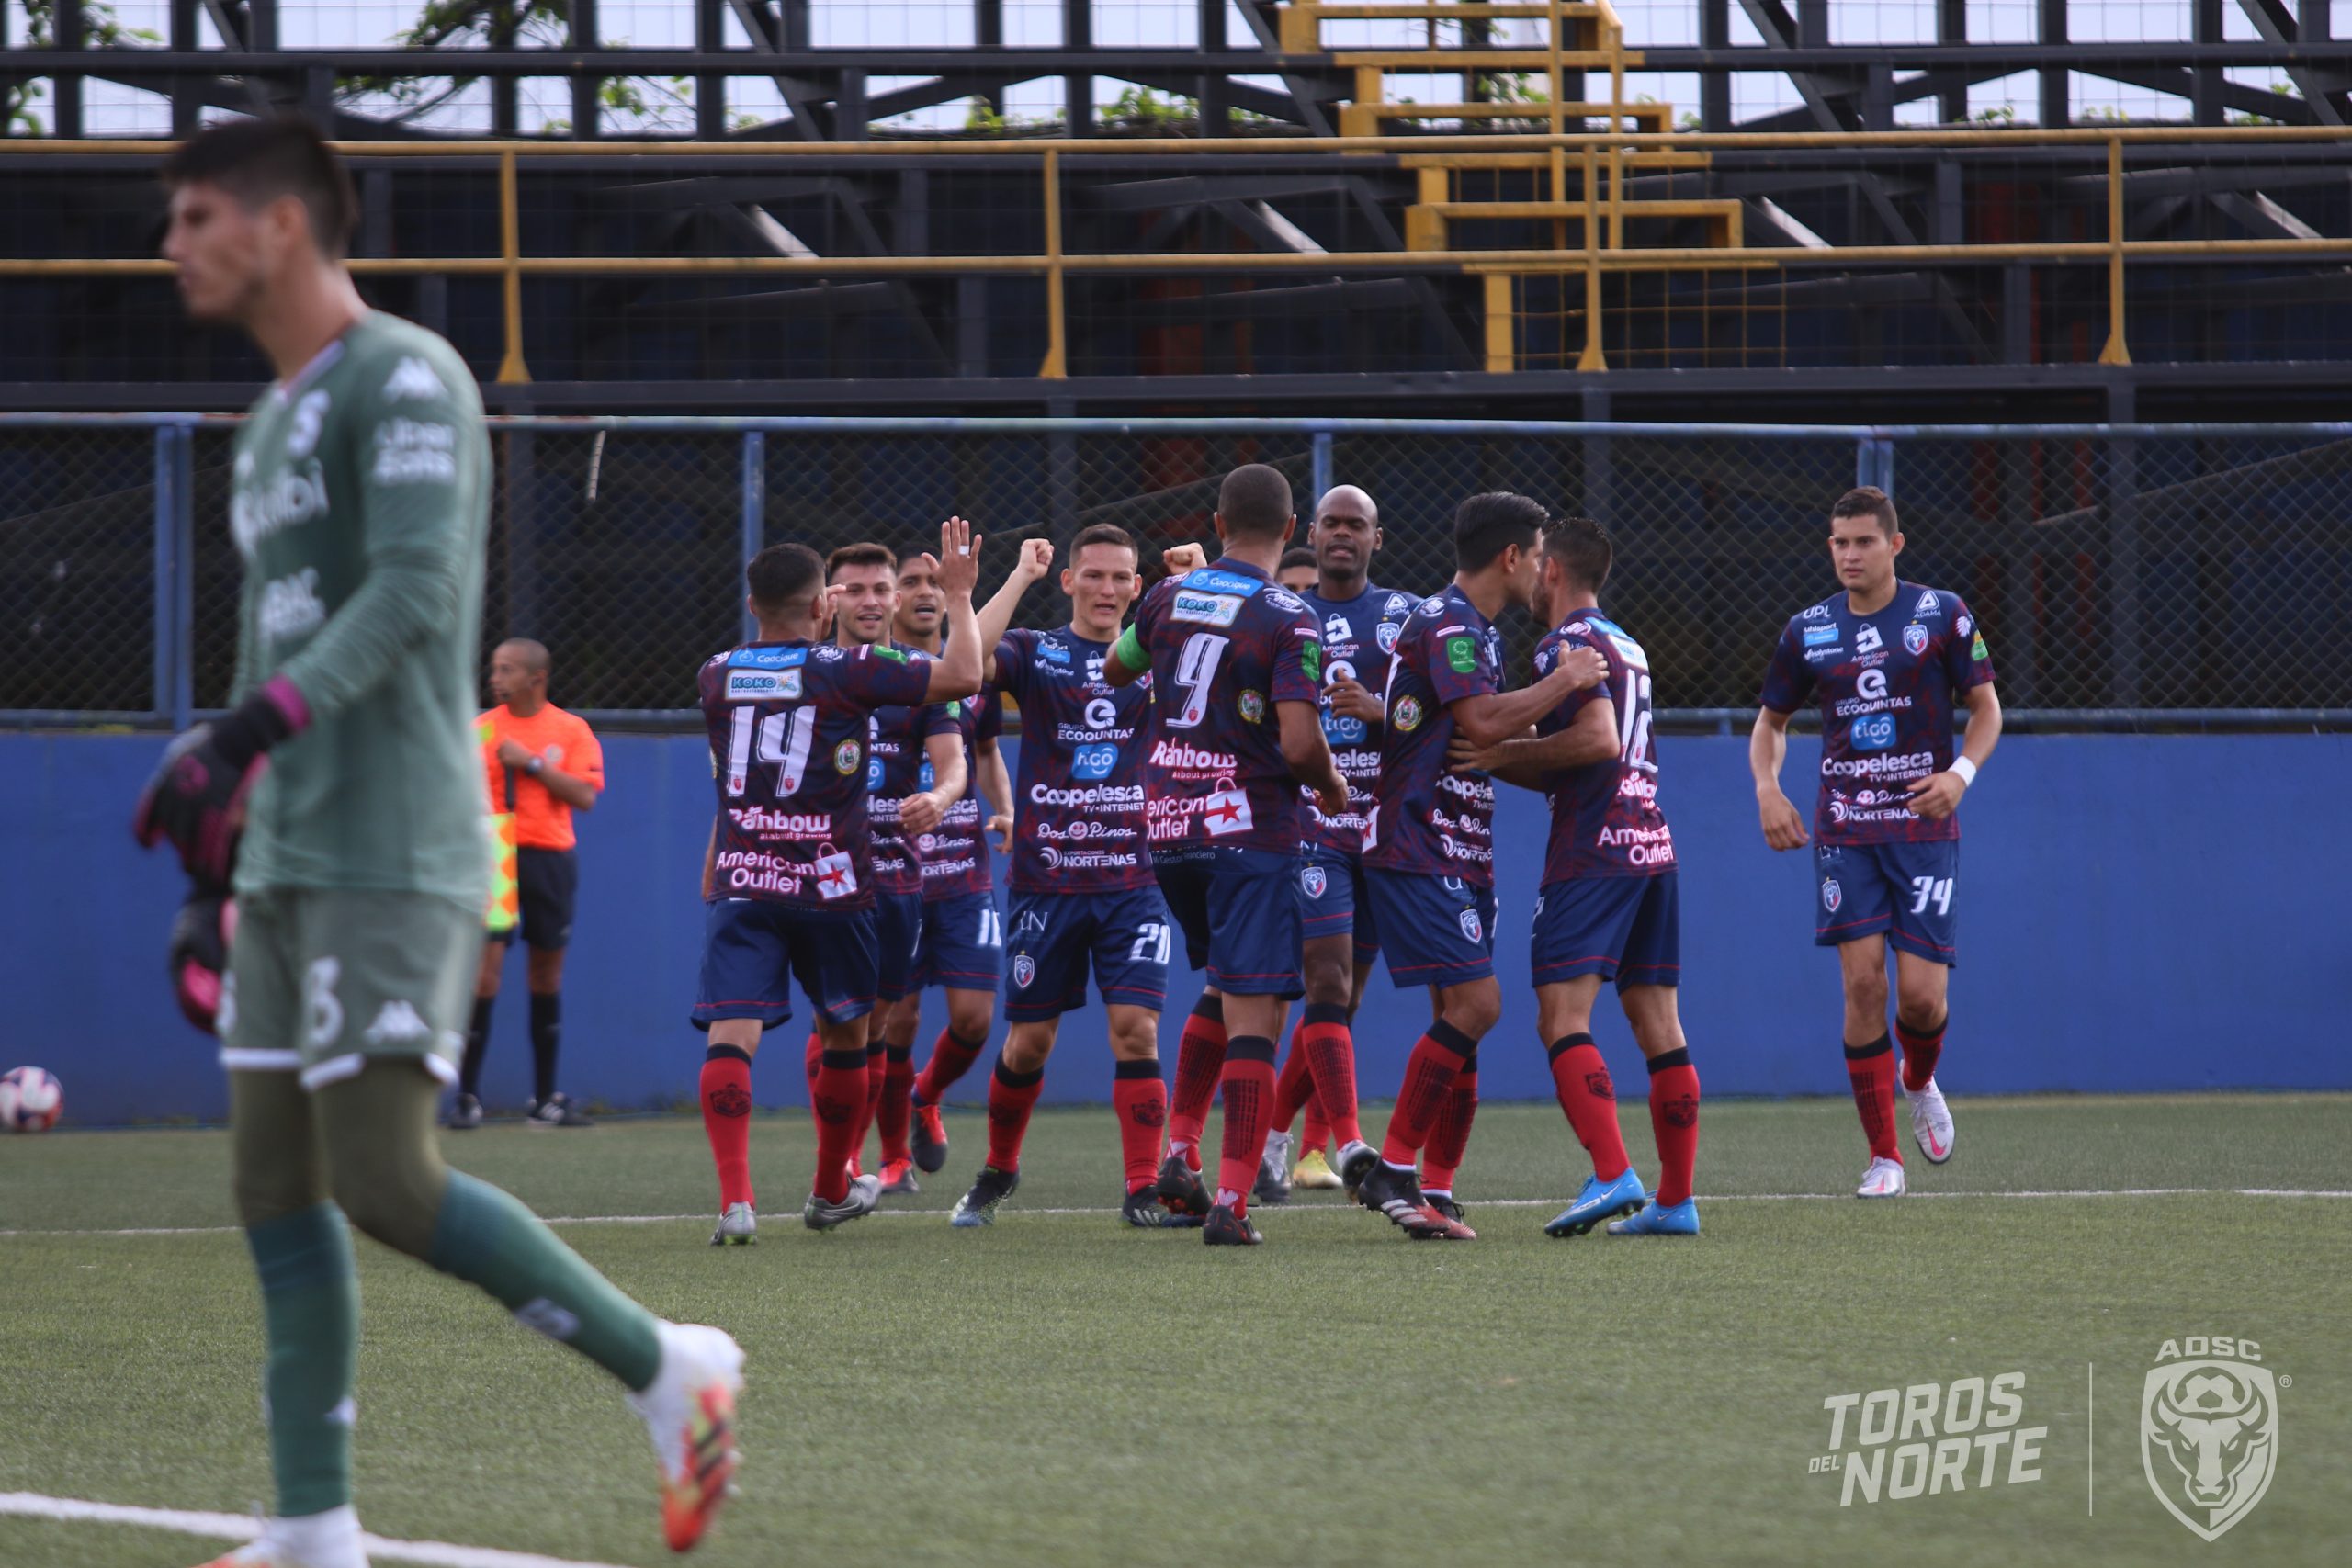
(29, 1100)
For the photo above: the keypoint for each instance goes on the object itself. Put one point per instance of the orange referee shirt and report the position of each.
(541, 821)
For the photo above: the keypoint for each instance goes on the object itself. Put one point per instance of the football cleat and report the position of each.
(1930, 1121)
(1272, 1185)
(1599, 1200)
(689, 1407)
(1356, 1161)
(978, 1207)
(1445, 1204)
(1181, 1189)
(1141, 1209)
(465, 1113)
(557, 1110)
(1226, 1228)
(1314, 1173)
(1680, 1220)
(738, 1226)
(315, 1540)
(1882, 1179)
(1398, 1194)
(929, 1138)
(898, 1176)
(865, 1191)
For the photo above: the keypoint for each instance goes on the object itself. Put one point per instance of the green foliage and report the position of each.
(101, 28)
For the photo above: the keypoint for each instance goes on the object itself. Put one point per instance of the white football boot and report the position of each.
(1882, 1179)
(1931, 1123)
(690, 1409)
(315, 1540)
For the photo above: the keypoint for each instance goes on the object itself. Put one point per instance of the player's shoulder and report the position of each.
(393, 362)
(1932, 605)
(1823, 614)
(1389, 603)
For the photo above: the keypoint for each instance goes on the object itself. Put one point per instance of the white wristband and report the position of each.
(1965, 769)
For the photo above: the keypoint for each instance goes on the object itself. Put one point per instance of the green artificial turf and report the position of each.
(1055, 1389)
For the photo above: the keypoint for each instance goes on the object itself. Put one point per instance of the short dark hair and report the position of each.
(1254, 501)
(1297, 555)
(258, 160)
(1487, 524)
(1582, 547)
(865, 554)
(1867, 501)
(1103, 534)
(782, 573)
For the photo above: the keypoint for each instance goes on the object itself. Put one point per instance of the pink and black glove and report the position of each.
(196, 798)
(200, 937)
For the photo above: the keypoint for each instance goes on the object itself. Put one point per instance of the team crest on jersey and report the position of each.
(1253, 707)
(1471, 927)
(1409, 713)
(1387, 635)
(1866, 640)
(845, 757)
(1831, 894)
(1024, 970)
(1914, 639)
(1312, 881)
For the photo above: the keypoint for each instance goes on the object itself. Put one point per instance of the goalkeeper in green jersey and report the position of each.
(361, 505)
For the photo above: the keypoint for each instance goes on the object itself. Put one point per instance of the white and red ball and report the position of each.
(31, 1100)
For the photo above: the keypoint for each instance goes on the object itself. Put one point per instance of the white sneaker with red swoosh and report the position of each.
(690, 1409)
(1930, 1121)
(1882, 1179)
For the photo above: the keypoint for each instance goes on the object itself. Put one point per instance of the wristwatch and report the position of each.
(534, 765)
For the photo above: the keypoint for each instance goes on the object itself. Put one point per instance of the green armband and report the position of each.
(1128, 651)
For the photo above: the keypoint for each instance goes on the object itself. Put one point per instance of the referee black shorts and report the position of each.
(546, 883)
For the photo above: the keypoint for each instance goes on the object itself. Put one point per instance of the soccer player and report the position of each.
(790, 883)
(359, 504)
(1361, 622)
(914, 769)
(1609, 907)
(1082, 892)
(1429, 839)
(543, 765)
(1297, 573)
(1887, 658)
(962, 945)
(1237, 668)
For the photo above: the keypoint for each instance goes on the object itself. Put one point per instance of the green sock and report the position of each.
(309, 1304)
(486, 1238)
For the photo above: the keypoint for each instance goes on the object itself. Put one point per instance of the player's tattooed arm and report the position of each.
(1495, 716)
(1036, 560)
(1309, 755)
(920, 812)
(956, 671)
(1768, 747)
(1530, 761)
(1937, 797)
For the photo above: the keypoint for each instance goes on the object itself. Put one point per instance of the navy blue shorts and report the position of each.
(1057, 936)
(1626, 928)
(1904, 892)
(897, 930)
(962, 943)
(1238, 909)
(1435, 931)
(753, 950)
(1332, 901)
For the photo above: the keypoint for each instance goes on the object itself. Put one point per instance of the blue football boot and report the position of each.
(1680, 1220)
(1599, 1200)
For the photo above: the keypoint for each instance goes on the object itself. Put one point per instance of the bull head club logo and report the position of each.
(2209, 1440)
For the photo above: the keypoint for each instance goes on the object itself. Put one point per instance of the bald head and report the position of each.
(1347, 500)
(518, 675)
(531, 656)
(1345, 534)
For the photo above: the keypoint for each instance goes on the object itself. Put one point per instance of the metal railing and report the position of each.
(2154, 576)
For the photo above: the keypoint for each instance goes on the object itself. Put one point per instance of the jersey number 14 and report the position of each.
(782, 738)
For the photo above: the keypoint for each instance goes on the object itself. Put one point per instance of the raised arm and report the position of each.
(1768, 747)
(996, 616)
(956, 673)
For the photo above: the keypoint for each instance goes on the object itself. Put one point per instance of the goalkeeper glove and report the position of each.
(196, 798)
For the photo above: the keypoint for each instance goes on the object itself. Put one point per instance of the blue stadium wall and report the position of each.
(2141, 913)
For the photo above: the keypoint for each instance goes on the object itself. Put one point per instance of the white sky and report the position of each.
(112, 110)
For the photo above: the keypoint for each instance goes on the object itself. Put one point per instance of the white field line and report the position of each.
(243, 1527)
(1288, 1210)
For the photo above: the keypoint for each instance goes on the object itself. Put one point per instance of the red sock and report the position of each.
(1674, 1121)
(951, 1058)
(898, 1081)
(1140, 1099)
(1438, 1057)
(838, 1101)
(1331, 1056)
(1920, 1050)
(1449, 1139)
(1200, 1058)
(877, 1067)
(1871, 1069)
(1581, 1080)
(1296, 1086)
(1249, 1086)
(727, 1120)
(1012, 1097)
(811, 1056)
(1318, 1134)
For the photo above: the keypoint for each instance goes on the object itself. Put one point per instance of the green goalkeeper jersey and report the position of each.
(360, 504)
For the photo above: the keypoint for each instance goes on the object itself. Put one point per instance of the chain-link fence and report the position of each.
(2146, 575)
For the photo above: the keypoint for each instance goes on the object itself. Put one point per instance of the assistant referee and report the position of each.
(542, 765)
